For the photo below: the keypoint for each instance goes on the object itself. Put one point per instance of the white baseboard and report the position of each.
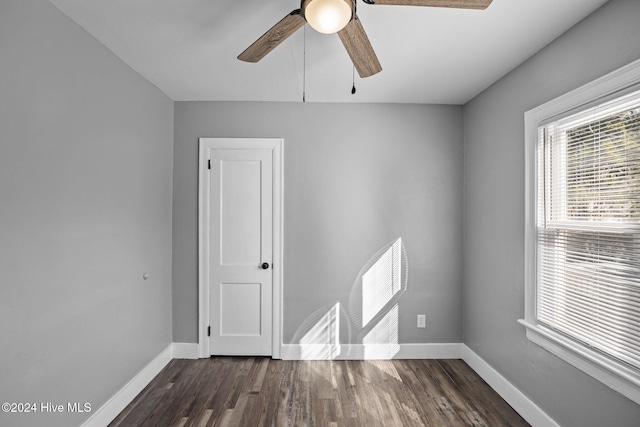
(430, 351)
(107, 412)
(380, 351)
(512, 395)
(185, 350)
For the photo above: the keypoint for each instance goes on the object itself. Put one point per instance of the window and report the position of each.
(582, 281)
(588, 263)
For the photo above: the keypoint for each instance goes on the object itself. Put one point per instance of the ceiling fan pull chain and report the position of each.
(304, 65)
(353, 89)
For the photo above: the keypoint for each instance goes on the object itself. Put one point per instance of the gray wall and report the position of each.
(494, 216)
(85, 210)
(356, 178)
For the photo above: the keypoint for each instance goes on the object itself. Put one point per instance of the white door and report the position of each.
(241, 251)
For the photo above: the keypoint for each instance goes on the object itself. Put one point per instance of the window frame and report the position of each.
(620, 377)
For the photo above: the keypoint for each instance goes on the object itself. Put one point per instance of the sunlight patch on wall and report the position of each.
(322, 341)
(382, 341)
(382, 281)
(373, 310)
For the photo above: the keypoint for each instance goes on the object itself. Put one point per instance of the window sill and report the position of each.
(621, 378)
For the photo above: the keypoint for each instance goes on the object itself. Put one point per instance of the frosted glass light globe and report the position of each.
(328, 16)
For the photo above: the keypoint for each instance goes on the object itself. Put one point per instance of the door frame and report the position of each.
(204, 267)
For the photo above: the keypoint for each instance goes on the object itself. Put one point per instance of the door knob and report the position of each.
(264, 265)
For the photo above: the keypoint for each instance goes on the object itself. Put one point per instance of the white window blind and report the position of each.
(588, 228)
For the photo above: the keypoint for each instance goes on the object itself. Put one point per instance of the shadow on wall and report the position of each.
(373, 312)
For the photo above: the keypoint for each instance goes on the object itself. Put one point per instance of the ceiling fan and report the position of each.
(339, 16)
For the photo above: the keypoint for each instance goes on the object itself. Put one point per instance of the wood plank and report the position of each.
(488, 404)
(204, 419)
(148, 398)
(421, 384)
(170, 403)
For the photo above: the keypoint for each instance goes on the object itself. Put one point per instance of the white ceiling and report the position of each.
(188, 48)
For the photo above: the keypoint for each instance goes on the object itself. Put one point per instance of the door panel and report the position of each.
(245, 322)
(241, 239)
(240, 216)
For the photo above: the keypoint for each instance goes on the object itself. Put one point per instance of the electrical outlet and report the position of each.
(422, 320)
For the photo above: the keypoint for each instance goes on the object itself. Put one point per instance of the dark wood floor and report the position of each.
(252, 392)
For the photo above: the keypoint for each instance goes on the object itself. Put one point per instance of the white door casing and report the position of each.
(240, 228)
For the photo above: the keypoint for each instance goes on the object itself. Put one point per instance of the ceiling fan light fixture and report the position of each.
(328, 16)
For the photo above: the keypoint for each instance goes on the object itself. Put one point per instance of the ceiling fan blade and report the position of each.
(272, 38)
(359, 48)
(460, 4)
